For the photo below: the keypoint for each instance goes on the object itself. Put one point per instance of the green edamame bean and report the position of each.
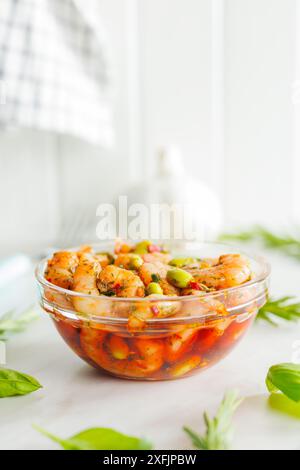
(142, 247)
(135, 262)
(154, 288)
(179, 262)
(179, 278)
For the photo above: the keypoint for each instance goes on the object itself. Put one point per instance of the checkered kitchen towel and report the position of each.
(55, 68)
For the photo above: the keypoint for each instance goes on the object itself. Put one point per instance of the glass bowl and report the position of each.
(187, 334)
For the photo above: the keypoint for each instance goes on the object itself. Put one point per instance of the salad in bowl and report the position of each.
(148, 311)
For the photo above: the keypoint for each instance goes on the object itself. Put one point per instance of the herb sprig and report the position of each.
(218, 429)
(285, 243)
(10, 323)
(285, 308)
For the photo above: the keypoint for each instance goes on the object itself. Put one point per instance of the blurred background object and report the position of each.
(56, 68)
(215, 78)
(188, 208)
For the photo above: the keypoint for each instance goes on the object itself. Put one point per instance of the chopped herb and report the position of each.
(110, 293)
(155, 277)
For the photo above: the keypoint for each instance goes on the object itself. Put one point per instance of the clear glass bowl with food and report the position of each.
(148, 311)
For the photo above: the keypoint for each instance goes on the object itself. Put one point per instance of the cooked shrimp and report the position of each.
(204, 307)
(157, 272)
(151, 356)
(85, 281)
(231, 270)
(207, 262)
(118, 347)
(207, 337)
(85, 276)
(91, 340)
(157, 307)
(129, 261)
(104, 259)
(85, 249)
(167, 288)
(61, 268)
(122, 247)
(178, 344)
(158, 256)
(153, 272)
(120, 282)
(137, 358)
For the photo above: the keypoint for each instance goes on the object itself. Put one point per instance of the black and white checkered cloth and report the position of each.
(55, 68)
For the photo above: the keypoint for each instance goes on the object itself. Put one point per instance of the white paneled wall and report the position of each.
(259, 73)
(176, 79)
(224, 69)
(28, 187)
(188, 72)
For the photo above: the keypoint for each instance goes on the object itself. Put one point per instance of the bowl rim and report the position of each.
(260, 260)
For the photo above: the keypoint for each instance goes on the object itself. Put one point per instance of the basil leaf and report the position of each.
(285, 378)
(99, 439)
(14, 383)
(282, 404)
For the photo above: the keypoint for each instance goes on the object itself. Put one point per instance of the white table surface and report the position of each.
(76, 396)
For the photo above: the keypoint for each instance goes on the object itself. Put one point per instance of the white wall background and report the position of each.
(260, 59)
(191, 73)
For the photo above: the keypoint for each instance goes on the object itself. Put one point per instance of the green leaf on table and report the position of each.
(218, 429)
(286, 379)
(13, 383)
(285, 308)
(99, 439)
(11, 323)
(285, 243)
